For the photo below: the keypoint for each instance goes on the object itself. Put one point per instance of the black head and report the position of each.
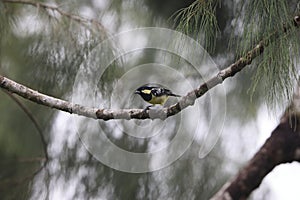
(147, 86)
(145, 92)
(140, 89)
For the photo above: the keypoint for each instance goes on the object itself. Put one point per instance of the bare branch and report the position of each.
(108, 114)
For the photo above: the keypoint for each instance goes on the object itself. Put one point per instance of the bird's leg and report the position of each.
(147, 108)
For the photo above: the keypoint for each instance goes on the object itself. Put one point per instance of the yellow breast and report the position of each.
(159, 100)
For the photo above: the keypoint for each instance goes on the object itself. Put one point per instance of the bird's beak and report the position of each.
(137, 92)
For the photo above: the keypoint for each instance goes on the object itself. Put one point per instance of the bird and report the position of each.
(154, 94)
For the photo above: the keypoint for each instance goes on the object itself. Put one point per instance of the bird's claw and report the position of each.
(147, 108)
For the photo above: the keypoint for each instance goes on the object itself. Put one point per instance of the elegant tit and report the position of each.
(154, 94)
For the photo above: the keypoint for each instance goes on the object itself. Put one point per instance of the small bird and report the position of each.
(154, 94)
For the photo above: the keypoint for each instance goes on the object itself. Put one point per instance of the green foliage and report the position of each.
(199, 20)
(265, 21)
(268, 21)
(48, 60)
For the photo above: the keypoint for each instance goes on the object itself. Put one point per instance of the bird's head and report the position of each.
(144, 92)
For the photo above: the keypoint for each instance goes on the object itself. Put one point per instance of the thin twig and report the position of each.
(15, 182)
(32, 119)
(73, 17)
(23, 160)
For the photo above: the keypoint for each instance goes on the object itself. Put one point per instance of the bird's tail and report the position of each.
(174, 95)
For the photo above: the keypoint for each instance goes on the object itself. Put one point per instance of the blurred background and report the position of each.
(41, 153)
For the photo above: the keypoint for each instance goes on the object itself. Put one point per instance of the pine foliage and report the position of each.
(199, 20)
(259, 20)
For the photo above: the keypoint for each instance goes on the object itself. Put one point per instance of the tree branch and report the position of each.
(27, 177)
(108, 114)
(283, 146)
(33, 120)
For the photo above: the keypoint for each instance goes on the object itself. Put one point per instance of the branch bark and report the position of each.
(108, 114)
(283, 146)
